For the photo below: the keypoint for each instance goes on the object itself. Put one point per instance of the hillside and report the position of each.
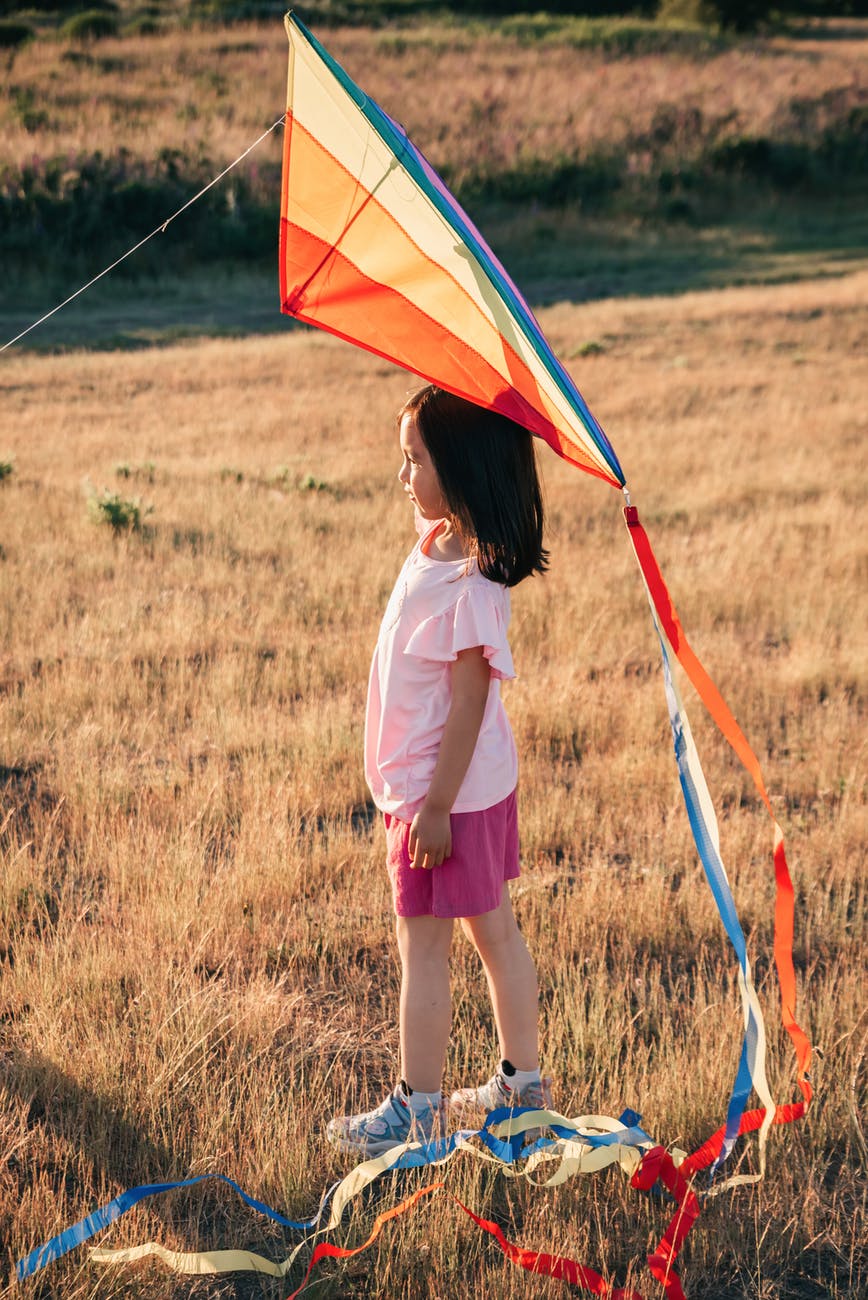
(597, 164)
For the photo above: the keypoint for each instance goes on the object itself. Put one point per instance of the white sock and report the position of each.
(421, 1103)
(518, 1078)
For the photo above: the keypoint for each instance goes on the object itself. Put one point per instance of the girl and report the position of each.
(440, 758)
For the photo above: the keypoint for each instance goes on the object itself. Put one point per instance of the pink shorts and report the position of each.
(470, 881)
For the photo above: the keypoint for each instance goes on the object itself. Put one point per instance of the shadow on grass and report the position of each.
(841, 29)
(554, 254)
(561, 256)
(86, 1150)
(82, 1146)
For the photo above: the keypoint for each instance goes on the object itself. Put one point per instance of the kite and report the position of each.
(374, 249)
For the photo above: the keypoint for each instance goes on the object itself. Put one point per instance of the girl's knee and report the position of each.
(494, 932)
(424, 937)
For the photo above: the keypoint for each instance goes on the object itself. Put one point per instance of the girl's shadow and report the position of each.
(83, 1147)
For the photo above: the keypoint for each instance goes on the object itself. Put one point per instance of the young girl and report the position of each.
(440, 758)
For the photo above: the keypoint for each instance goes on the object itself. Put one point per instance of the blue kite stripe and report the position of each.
(716, 876)
(86, 1228)
(426, 178)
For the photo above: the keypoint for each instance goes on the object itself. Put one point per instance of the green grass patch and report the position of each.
(91, 25)
(617, 37)
(121, 514)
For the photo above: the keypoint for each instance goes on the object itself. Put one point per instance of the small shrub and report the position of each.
(193, 540)
(284, 480)
(281, 478)
(24, 106)
(591, 181)
(7, 469)
(92, 25)
(311, 484)
(120, 513)
(700, 12)
(742, 15)
(729, 15)
(777, 163)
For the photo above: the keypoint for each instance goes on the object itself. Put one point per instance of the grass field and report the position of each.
(196, 962)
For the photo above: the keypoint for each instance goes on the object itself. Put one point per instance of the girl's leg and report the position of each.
(426, 1003)
(512, 982)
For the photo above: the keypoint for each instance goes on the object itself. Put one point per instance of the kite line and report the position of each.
(158, 230)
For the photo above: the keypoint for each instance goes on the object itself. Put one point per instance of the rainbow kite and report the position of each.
(375, 249)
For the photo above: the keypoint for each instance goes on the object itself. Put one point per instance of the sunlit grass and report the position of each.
(196, 959)
(488, 99)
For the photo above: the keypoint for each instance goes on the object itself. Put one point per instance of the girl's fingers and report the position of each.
(441, 855)
(426, 858)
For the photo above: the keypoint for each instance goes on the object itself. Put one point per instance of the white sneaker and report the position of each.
(390, 1125)
(498, 1092)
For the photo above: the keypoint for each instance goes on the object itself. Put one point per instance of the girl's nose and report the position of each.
(403, 476)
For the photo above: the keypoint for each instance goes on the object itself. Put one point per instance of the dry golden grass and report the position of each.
(473, 100)
(196, 964)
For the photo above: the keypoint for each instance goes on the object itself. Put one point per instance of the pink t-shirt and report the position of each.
(435, 610)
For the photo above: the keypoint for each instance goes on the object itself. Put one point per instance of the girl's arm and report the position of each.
(430, 832)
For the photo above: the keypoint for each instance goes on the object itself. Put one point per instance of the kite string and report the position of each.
(158, 230)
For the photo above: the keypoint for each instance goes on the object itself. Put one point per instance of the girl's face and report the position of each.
(417, 474)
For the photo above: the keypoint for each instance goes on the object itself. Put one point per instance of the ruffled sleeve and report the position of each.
(475, 619)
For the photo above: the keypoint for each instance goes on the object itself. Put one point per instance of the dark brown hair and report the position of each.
(487, 470)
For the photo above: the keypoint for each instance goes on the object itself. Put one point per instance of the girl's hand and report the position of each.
(430, 830)
(430, 841)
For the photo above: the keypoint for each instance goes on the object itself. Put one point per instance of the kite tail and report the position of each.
(751, 1071)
